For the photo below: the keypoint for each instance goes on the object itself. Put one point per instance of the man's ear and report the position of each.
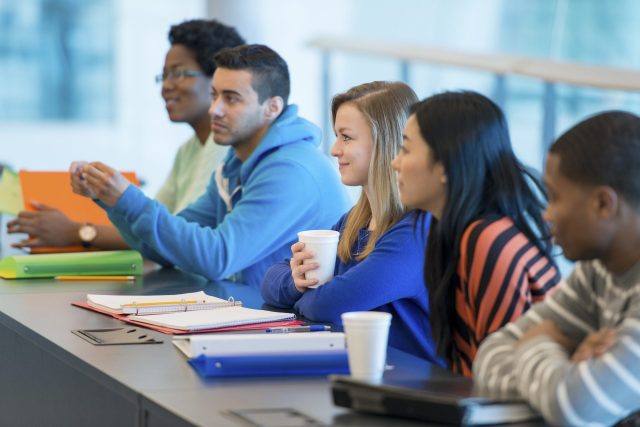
(606, 201)
(275, 105)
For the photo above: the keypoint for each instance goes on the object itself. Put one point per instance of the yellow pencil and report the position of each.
(114, 278)
(143, 304)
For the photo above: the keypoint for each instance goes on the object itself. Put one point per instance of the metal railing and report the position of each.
(550, 72)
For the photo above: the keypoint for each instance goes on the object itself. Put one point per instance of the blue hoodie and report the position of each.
(285, 186)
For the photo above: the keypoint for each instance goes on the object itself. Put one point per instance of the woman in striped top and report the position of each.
(488, 251)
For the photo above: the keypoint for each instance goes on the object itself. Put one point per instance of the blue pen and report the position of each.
(287, 329)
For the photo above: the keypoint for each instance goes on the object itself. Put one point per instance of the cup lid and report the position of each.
(366, 317)
(319, 235)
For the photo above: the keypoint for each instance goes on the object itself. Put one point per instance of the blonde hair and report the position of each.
(385, 106)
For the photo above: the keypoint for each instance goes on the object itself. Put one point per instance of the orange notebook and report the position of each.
(54, 189)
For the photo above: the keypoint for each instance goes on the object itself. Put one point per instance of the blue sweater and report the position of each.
(389, 279)
(287, 185)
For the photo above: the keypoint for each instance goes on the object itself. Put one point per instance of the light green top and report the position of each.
(191, 172)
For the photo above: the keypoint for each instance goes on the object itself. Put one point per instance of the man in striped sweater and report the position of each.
(576, 356)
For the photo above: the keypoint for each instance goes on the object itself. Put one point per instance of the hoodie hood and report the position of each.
(287, 129)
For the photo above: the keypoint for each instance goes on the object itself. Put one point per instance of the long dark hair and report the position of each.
(468, 134)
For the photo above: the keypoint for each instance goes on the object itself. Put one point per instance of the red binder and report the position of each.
(171, 331)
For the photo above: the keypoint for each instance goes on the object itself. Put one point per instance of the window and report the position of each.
(57, 60)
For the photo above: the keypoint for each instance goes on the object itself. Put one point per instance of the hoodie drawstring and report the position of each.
(222, 184)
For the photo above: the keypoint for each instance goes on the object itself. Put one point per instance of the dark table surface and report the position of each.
(40, 310)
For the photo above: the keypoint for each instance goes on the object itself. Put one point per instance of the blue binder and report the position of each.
(319, 363)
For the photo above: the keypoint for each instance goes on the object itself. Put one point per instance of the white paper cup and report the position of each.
(367, 334)
(324, 245)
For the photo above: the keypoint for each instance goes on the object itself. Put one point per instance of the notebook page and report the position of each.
(170, 308)
(206, 319)
(114, 303)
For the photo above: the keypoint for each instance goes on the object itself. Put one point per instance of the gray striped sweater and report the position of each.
(598, 391)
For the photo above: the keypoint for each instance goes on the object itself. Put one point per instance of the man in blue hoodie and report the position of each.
(273, 183)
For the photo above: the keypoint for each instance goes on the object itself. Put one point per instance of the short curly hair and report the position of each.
(205, 38)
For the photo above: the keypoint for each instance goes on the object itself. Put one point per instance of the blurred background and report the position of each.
(77, 75)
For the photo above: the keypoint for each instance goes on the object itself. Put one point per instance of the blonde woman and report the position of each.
(381, 249)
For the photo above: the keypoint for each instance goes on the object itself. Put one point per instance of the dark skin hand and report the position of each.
(593, 345)
(548, 328)
(46, 226)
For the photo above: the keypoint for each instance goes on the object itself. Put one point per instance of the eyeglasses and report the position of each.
(177, 75)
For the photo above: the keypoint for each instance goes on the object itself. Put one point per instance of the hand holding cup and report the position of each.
(317, 253)
(299, 268)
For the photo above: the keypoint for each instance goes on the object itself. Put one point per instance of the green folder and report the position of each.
(71, 264)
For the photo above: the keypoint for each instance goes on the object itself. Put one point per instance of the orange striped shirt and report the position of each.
(501, 274)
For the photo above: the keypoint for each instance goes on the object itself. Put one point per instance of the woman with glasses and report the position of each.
(185, 80)
(186, 90)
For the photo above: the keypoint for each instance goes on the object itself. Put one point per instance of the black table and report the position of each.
(48, 376)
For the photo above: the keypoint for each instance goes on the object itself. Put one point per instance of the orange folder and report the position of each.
(54, 189)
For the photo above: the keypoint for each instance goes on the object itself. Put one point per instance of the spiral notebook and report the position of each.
(260, 326)
(209, 319)
(157, 304)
